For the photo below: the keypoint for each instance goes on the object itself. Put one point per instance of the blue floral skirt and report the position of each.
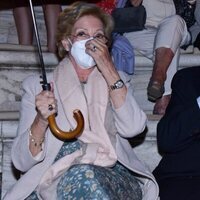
(91, 182)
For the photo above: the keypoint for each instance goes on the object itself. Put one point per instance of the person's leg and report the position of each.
(163, 58)
(24, 25)
(161, 103)
(186, 188)
(143, 41)
(172, 33)
(51, 13)
(87, 181)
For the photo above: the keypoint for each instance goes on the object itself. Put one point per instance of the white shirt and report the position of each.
(198, 101)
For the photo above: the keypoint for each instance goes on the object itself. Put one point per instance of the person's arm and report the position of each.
(129, 117)
(39, 126)
(179, 127)
(25, 152)
(105, 64)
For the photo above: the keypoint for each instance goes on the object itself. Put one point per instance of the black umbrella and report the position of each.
(62, 135)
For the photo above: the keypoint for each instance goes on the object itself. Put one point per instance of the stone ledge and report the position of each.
(17, 47)
(18, 54)
(9, 115)
(26, 58)
(186, 60)
(9, 123)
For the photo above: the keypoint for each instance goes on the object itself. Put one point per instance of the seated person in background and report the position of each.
(189, 10)
(195, 28)
(99, 163)
(178, 137)
(160, 41)
(24, 25)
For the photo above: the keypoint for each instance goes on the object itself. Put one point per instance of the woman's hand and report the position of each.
(99, 51)
(46, 104)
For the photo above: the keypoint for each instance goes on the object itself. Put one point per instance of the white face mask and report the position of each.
(81, 57)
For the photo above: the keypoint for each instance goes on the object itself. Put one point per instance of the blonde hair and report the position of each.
(71, 14)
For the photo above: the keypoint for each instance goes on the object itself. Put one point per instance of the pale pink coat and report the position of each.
(119, 124)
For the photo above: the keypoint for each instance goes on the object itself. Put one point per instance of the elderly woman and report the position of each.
(99, 163)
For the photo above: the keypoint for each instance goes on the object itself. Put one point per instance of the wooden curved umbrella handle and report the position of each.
(62, 135)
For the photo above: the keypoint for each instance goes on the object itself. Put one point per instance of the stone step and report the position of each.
(9, 122)
(9, 173)
(19, 61)
(15, 66)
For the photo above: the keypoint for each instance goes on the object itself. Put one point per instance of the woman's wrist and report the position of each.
(38, 128)
(111, 75)
(43, 123)
(36, 141)
(37, 135)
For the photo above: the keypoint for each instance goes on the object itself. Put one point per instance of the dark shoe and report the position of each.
(161, 105)
(155, 90)
(197, 42)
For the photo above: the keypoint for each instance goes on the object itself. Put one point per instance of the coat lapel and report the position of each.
(70, 91)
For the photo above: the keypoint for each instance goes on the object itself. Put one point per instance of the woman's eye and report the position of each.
(81, 34)
(99, 36)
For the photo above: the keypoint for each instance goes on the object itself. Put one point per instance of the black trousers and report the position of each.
(187, 188)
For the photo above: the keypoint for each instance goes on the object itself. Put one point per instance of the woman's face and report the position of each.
(86, 27)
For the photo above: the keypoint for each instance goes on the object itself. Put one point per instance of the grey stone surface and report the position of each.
(9, 173)
(8, 29)
(9, 129)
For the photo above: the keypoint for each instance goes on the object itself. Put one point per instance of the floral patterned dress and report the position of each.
(86, 182)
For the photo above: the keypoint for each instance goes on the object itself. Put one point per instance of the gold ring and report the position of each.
(50, 107)
(94, 48)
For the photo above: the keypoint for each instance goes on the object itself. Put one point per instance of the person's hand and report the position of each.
(136, 2)
(100, 53)
(46, 104)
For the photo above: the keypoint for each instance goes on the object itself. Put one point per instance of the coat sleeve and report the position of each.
(180, 125)
(130, 119)
(20, 153)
